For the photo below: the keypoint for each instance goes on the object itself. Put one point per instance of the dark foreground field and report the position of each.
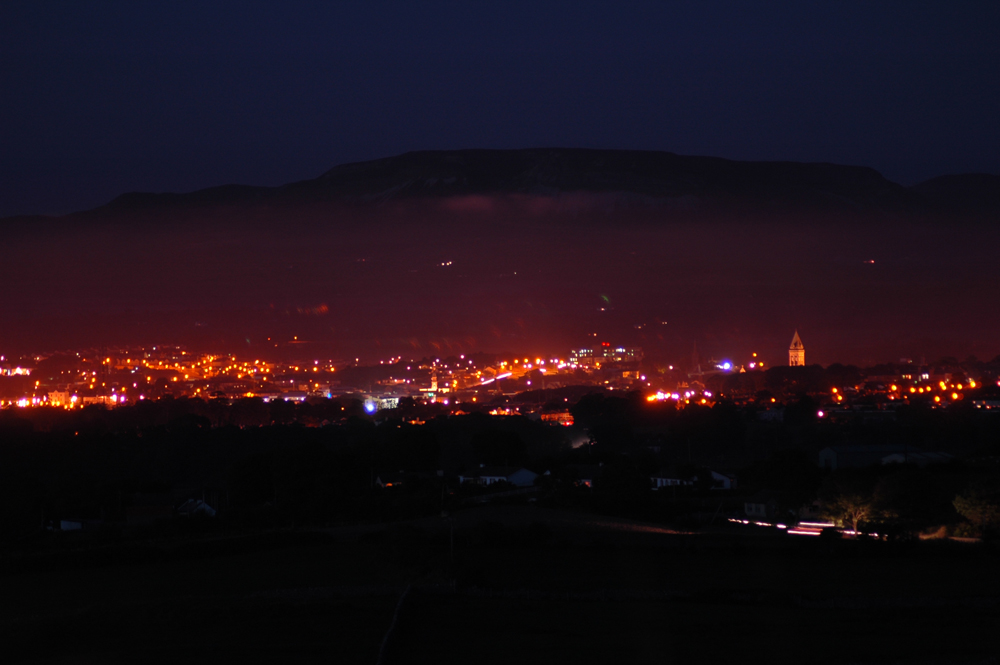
(524, 585)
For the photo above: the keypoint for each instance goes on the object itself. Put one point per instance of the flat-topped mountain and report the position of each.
(648, 173)
(635, 176)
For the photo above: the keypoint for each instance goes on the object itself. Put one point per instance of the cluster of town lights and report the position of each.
(261, 378)
(687, 396)
(955, 391)
(70, 402)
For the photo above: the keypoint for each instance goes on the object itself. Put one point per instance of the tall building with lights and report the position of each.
(796, 352)
(604, 354)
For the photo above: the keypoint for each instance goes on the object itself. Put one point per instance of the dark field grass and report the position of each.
(526, 585)
(313, 601)
(459, 629)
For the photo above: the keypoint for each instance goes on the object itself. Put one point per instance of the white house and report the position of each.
(721, 481)
(918, 458)
(487, 475)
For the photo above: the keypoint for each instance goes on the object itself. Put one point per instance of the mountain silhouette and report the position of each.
(615, 177)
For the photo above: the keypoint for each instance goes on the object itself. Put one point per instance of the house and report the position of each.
(671, 478)
(765, 506)
(811, 512)
(193, 507)
(723, 481)
(916, 457)
(384, 479)
(390, 479)
(775, 415)
(77, 524)
(488, 475)
(583, 475)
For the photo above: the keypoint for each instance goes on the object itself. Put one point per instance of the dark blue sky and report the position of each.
(101, 98)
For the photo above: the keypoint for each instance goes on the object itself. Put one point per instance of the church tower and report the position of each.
(796, 352)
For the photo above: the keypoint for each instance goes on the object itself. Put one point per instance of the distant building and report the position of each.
(775, 415)
(390, 479)
(604, 354)
(918, 458)
(558, 418)
(584, 475)
(669, 477)
(796, 352)
(193, 507)
(487, 475)
(723, 481)
(764, 505)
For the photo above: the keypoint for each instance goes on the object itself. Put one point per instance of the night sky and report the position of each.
(97, 99)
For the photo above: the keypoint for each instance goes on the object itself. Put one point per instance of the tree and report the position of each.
(499, 448)
(838, 375)
(802, 412)
(791, 380)
(980, 505)
(848, 497)
(910, 499)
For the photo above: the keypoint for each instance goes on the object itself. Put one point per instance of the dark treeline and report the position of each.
(783, 380)
(314, 463)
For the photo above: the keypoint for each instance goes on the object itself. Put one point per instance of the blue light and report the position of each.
(727, 365)
(370, 407)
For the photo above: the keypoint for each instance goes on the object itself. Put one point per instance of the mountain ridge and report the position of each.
(705, 182)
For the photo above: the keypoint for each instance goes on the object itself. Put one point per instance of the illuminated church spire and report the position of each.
(796, 352)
